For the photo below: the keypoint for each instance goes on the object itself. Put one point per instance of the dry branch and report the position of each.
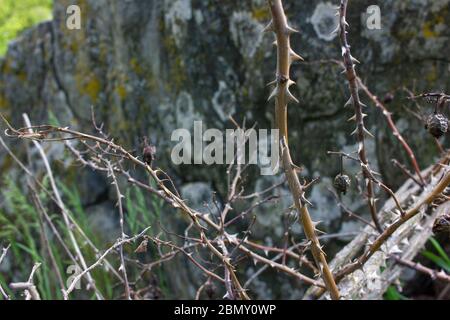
(285, 57)
(354, 100)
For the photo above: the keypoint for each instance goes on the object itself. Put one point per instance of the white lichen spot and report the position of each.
(224, 101)
(198, 16)
(324, 21)
(199, 196)
(185, 114)
(246, 33)
(178, 13)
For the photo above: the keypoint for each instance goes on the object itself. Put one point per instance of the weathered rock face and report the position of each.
(149, 67)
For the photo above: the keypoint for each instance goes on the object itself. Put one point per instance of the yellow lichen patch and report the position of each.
(3, 102)
(121, 92)
(22, 76)
(135, 66)
(152, 84)
(428, 31)
(7, 67)
(91, 87)
(432, 75)
(261, 14)
(177, 71)
(428, 28)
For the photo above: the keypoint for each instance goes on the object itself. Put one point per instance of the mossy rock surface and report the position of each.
(149, 67)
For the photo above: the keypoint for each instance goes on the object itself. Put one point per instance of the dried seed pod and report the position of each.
(149, 152)
(341, 183)
(388, 98)
(442, 224)
(437, 125)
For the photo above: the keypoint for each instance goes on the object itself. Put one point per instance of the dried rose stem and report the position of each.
(2, 256)
(64, 211)
(376, 245)
(389, 231)
(285, 57)
(42, 132)
(419, 267)
(394, 129)
(360, 131)
(122, 230)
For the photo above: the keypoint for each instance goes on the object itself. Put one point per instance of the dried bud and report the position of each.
(442, 224)
(437, 125)
(210, 290)
(149, 152)
(341, 183)
(388, 98)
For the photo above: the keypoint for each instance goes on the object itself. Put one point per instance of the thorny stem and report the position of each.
(165, 192)
(28, 287)
(402, 167)
(389, 231)
(2, 256)
(285, 58)
(376, 245)
(394, 129)
(360, 131)
(375, 180)
(123, 235)
(47, 218)
(43, 133)
(63, 211)
(40, 209)
(118, 243)
(419, 267)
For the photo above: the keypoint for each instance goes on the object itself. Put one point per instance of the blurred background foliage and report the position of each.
(17, 15)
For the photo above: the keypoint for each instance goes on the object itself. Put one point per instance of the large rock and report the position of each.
(149, 67)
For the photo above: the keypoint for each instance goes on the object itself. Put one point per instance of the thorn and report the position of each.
(352, 118)
(296, 168)
(405, 242)
(294, 56)
(368, 133)
(345, 22)
(315, 224)
(273, 94)
(354, 59)
(354, 132)
(275, 43)
(343, 50)
(349, 102)
(271, 83)
(291, 30)
(269, 27)
(290, 83)
(306, 201)
(290, 96)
